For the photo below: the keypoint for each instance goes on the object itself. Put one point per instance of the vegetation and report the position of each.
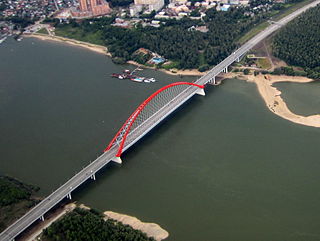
(174, 40)
(2, 7)
(277, 11)
(15, 199)
(88, 225)
(298, 43)
(254, 31)
(43, 31)
(263, 63)
(20, 22)
(246, 71)
(288, 71)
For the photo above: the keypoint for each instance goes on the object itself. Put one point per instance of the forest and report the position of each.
(298, 43)
(15, 198)
(173, 39)
(89, 225)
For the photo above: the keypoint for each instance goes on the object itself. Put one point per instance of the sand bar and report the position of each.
(151, 229)
(270, 94)
(272, 97)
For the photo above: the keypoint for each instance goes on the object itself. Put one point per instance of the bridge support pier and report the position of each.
(117, 159)
(201, 92)
(69, 196)
(93, 177)
(213, 80)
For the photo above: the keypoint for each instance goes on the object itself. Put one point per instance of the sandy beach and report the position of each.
(273, 100)
(93, 47)
(151, 229)
(103, 50)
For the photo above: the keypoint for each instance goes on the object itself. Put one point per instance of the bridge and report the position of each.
(149, 114)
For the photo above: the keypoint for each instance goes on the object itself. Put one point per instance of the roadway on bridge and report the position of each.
(89, 171)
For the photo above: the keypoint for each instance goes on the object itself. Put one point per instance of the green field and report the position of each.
(263, 63)
(78, 34)
(43, 31)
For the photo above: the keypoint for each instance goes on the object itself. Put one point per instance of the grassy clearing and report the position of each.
(254, 31)
(264, 63)
(43, 31)
(78, 34)
(170, 65)
(290, 8)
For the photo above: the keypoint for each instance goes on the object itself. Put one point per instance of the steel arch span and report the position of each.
(147, 109)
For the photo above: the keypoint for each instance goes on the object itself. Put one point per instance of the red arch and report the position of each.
(136, 113)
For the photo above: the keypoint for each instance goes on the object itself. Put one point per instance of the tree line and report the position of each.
(298, 43)
(89, 225)
(15, 199)
(173, 39)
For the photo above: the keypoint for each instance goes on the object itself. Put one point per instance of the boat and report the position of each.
(137, 79)
(146, 80)
(2, 40)
(120, 76)
(126, 71)
(152, 80)
(131, 76)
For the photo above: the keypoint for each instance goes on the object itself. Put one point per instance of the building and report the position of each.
(225, 7)
(91, 8)
(151, 5)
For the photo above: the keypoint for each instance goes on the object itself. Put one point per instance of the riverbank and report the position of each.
(186, 72)
(150, 229)
(16, 198)
(34, 233)
(93, 47)
(272, 96)
(103, 50)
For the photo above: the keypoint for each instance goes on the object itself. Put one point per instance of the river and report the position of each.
(223, 167)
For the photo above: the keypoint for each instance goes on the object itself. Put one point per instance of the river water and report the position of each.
(223, 167)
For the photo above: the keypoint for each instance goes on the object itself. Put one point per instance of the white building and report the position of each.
(151, 5)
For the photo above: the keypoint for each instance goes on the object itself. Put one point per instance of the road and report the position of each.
(89, 171)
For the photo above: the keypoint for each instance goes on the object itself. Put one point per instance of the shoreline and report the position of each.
(270, 94)
(150, 229)
(104, 50)
(36, 231)
(273, 100)
(187, 72)
(93, 47)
